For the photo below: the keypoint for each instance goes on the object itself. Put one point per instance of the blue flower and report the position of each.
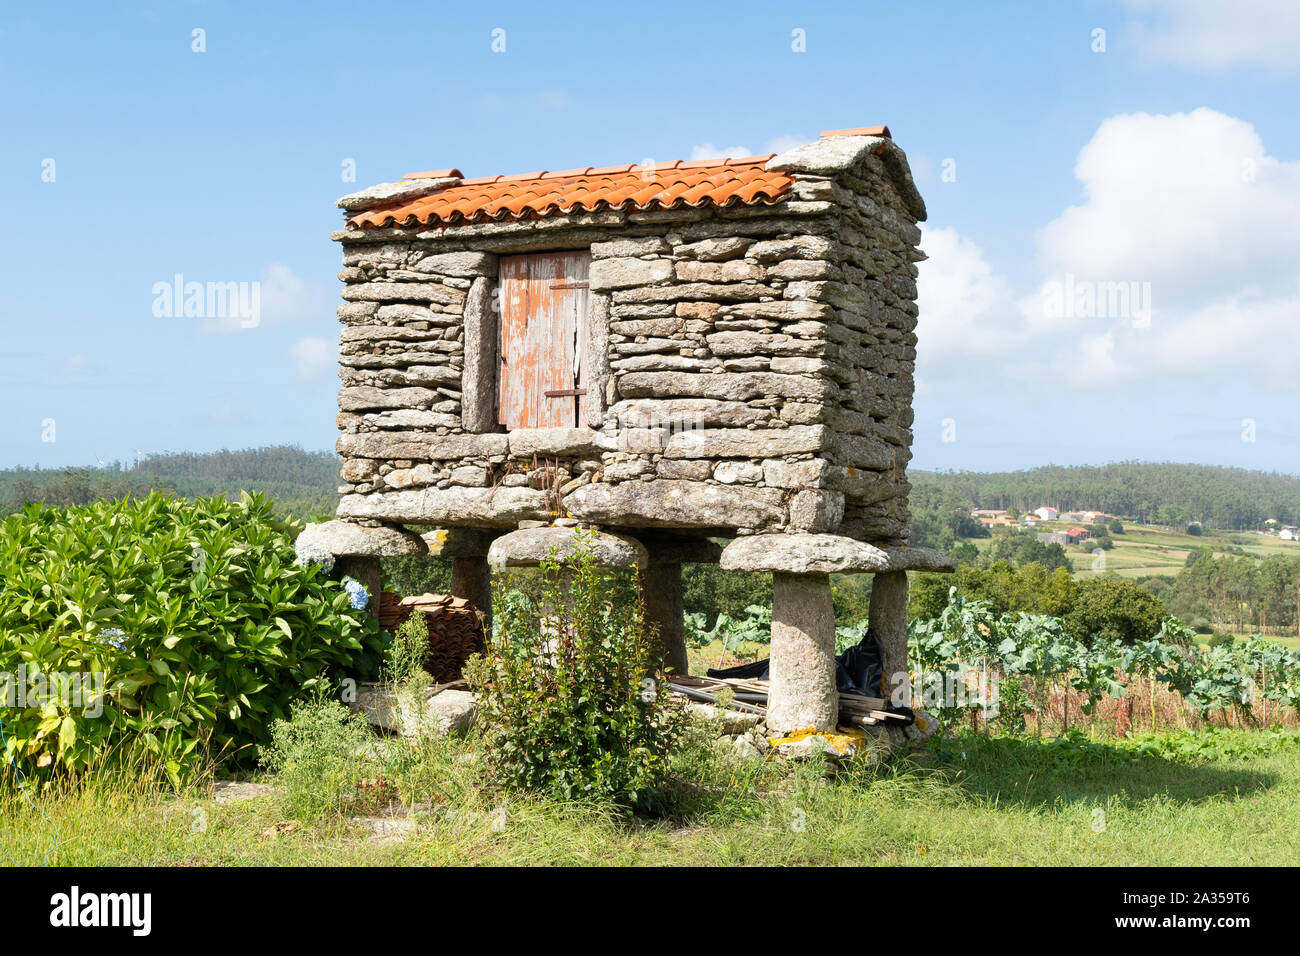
(358, 596)
(114, 637)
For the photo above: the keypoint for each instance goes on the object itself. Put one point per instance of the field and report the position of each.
(1223, 797)
(1144, 550)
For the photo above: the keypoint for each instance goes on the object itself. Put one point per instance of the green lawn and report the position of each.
(966, 800)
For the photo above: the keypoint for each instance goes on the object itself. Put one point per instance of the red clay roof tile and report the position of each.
(717, 182)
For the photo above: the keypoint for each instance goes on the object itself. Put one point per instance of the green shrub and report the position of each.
(320, 756)
(565, 702)
(1113, 609)
(193, 616)
(405, 656)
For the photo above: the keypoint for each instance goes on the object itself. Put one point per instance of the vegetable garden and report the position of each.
(1019, 671)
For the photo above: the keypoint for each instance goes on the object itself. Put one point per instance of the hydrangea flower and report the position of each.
(113, 636)
(358, 596)
(314, 554)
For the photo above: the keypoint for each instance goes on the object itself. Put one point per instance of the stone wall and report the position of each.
(750, 366)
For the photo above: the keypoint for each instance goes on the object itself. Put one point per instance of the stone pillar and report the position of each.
(887, 616)
(471, 579)
(661, 587)
(365, 568)
(802, 693)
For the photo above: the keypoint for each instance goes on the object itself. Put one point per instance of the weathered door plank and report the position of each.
(543, 336)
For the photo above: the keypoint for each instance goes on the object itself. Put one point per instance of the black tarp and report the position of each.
(858, 670)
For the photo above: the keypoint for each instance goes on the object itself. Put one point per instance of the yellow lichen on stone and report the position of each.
(842, 740)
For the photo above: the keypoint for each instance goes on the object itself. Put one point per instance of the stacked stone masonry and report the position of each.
(749, 368)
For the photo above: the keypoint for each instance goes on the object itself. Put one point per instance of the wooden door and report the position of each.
(543, 300)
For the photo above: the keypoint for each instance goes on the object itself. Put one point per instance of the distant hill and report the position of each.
(302, 483)
(1151, 492)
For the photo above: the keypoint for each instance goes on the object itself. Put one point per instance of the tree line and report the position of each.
(1161, 493)
(303, 484)
(1239, 594)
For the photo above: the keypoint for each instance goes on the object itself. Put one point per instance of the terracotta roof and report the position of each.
(709, 182)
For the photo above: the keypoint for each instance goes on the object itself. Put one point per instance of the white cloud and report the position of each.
(1216, 35)
(709, 151)
(967, 310)
(277, 295)
(288, 297)
(312, 357)
(779, 144)
(1187, 215)
(1191, 202)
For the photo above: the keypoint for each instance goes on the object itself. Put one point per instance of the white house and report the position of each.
(1047, 514)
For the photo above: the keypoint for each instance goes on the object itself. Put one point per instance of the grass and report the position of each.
(1145, 550)
(1218, 797)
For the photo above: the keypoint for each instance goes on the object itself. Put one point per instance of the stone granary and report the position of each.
(674, 354)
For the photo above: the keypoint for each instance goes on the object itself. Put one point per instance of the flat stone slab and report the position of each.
(529, 547)
(673, 503)
(803, 553)
(445, 712)
(237, 791)
(346, 538)
(559, 442)
(919, 559)
(387, 194)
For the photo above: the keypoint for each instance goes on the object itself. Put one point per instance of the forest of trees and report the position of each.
(1239, 594)
(1150, 492)
(303, 484)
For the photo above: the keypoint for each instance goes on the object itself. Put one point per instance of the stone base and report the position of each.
(745, 739)
(432, 715)
(661, 589)
(471, 579)
(802, 692)
(887, 617)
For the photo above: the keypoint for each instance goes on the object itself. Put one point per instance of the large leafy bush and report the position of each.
(194, 614)
(566, 697)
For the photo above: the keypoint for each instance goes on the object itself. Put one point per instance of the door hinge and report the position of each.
(565, 392)
(570, 285)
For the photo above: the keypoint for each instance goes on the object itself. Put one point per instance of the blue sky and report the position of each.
(1170, 160)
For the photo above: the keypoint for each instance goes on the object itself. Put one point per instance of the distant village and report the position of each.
(1075, 534)
(1079, 520)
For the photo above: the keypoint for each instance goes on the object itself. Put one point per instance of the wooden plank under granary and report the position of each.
(544, 301)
